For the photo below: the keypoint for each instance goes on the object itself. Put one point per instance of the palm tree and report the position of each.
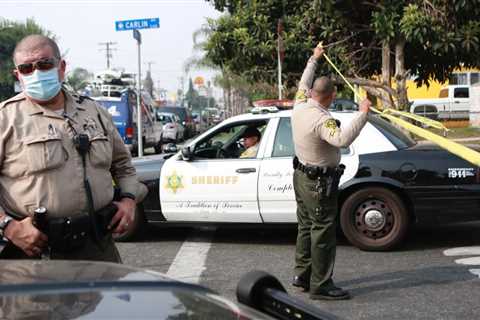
(235, 89)
(78, 79)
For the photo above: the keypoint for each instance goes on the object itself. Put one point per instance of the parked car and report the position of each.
(343, 105)
(46, 289)
(453, 103)
(173, 130)
(185, 116)
(390, 181)
(123, 110)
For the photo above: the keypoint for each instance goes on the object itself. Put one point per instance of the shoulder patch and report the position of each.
(301, 96)
(331, 125)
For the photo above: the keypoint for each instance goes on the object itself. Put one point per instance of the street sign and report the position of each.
(137, 36)
(137, 24)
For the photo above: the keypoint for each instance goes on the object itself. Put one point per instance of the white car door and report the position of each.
(276, 195)
(216, 185)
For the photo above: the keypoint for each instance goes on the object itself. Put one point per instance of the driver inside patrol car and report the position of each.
(251, 138)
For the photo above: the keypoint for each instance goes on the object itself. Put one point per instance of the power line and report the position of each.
(108, 50)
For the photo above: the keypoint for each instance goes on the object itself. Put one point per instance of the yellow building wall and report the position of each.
(424, 92)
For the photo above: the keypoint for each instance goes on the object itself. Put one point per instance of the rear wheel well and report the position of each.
(345, 193)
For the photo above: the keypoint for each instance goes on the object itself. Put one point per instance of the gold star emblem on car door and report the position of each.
(174, 182)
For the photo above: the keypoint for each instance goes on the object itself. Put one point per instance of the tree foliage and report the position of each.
(426, 38)
(10, 33)
(195, 101)
(78, 79)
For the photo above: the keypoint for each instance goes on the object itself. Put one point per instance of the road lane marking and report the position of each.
(466, 251)
(463, 251)
(189, 263)
(472, 261)
(475, 272)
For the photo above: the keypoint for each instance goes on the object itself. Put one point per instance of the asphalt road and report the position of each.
(418, 281)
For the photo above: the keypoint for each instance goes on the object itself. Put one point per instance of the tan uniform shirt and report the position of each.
(40, 166)
(316, 136)
(250, 152)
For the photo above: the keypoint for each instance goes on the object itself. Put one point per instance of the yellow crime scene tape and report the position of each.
(463, 152)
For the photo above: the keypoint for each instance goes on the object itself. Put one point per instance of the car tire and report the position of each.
(137, 225)
(374, 219)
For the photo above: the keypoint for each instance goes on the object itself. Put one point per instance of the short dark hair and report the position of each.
(36, 41)
(323, 86)
(251, 132)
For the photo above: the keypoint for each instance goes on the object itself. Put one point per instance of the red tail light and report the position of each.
(129, 132)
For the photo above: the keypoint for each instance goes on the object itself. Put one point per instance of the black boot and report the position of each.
(301, 283)
(331, 293)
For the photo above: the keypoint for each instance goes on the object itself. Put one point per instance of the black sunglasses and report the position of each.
(42, 65)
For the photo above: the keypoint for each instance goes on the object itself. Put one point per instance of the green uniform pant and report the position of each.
(316, 239)
(90, 251)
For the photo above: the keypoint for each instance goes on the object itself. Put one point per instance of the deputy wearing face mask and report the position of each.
(58, 156)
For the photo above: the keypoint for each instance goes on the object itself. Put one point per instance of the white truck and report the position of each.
(453, 103)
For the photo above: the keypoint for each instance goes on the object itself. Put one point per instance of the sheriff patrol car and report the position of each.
(390, 181)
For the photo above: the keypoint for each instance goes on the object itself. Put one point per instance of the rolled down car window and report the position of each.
(397, 137)
(283, 145)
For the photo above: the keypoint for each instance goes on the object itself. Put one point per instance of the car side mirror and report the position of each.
(170, 148)
(187, 153)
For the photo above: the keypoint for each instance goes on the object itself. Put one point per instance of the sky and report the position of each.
(79, 27)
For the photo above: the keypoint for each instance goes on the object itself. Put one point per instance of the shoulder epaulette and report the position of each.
(80, 99)
(18, 97)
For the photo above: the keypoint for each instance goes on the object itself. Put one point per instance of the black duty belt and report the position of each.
(70, 233)
(313, 172)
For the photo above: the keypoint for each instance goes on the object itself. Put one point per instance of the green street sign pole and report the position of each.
(138, 36)
(135, 25)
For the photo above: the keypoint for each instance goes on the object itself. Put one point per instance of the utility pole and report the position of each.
(148, 84)
(138, 36)
(149, 64)
(108, 50)
(280, 56)
(208, 94)
(181, 79)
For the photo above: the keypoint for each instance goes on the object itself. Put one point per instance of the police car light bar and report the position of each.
(280, 104)
(258, 110)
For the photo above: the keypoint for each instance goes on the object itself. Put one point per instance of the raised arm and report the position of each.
(307, 77)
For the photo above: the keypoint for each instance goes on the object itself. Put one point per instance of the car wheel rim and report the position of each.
(374, 219)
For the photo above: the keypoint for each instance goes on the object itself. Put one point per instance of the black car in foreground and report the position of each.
(42, 289)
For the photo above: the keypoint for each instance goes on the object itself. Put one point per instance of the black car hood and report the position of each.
(41, 271)
(93, 290)
(430, 146)
(148, 167)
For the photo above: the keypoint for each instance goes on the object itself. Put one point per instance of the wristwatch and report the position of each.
(127, 195)
(4, 223)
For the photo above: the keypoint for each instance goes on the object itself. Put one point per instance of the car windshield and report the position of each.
(397, 137)
(164, 118)
(179, 111)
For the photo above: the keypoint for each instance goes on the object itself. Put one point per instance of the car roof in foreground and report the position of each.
(43, 289)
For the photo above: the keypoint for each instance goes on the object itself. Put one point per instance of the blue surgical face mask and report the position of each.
(42, 85)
